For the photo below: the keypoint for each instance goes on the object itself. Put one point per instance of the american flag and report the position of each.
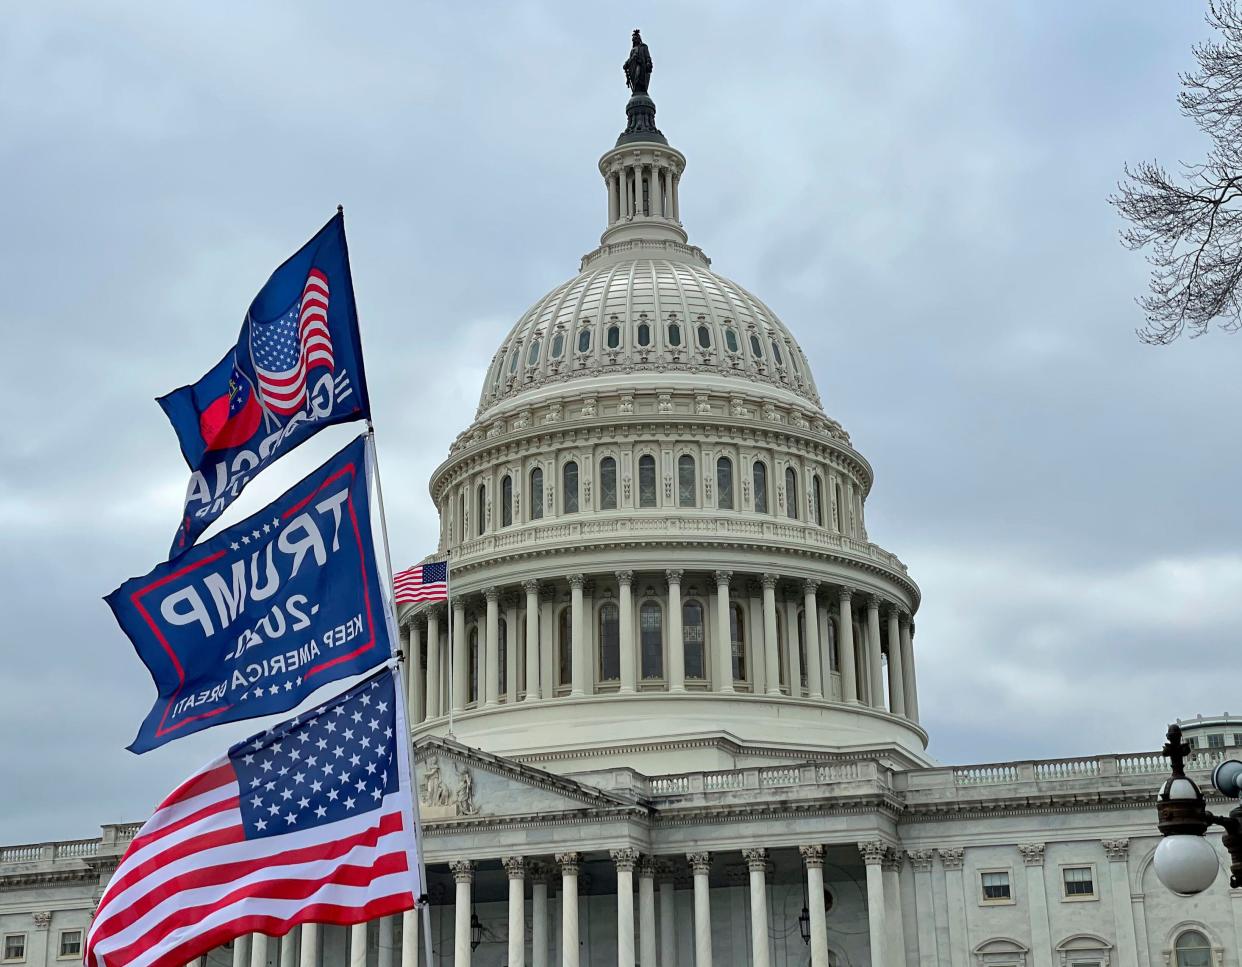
(422, 582)
(311, 821)
(285, 350)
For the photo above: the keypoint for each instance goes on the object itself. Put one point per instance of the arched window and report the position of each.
(760, 473)
(535, 502)
(461, 516)
(1193, 950)
(730, 339)
(480, 509)
(506, 501)
(609, 643)
(472, 656)
(705, 337)
(558, 345)
(685, 481)
(791, 493)
(836, 506)
(651, 639)
(532, 355)
(644, 334)
(693, 634)
(737, 640)
(646, 481)
(614, 337)
(803, 671)
(569, 488)
(564, 649)
(674, 334)
(817, 501)
(756, 347)
(776, 353)
(584, 340)
(608, 484)
(724, 483)
(502, 655)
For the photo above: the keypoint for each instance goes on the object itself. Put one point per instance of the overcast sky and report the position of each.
(918, 190)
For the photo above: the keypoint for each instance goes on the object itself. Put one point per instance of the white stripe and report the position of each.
(175, 812)
(316, 284)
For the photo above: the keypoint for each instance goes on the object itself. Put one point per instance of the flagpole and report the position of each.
(391, 616)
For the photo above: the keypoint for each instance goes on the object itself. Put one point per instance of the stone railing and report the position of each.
(808, 775)
(114, 840)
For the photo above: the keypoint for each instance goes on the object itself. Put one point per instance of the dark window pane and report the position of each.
(584, 340)
(513, 359)
(564, 645)
(536, 494)
(737, 638)
(776, 354)
(674, 334)
(481, 509)
(685, 481)
(761, 487)
(502, 655)
(817, 501)
(506, 501)
(644, 334)
(756, 347)
(558, 345)
(651, 639)
(724, 483)
(532, 356)
(472, 653)
(731, 340)
(692, 635)
(646, 481)
(705, 337)
(569, 487)
(803, 670)
(614, 337)
(608, 484)
(791, 493)
(609, 644)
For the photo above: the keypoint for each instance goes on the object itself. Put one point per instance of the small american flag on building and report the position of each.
(422, 582)
(285, 350)
(311, 821)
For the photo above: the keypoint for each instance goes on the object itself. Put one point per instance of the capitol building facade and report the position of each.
(670, 714)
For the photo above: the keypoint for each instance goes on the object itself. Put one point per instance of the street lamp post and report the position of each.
(1185, 861)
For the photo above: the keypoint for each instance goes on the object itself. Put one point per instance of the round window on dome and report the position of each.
(756, 347)
(532, 356)
(584, 341)
(644, 334)
(674, 334)
(614, 337)
(558, 345)
(730, 339)
(705, 337)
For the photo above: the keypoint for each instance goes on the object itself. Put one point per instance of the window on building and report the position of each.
(506, 501)
(776, 353)
(730, 339)
(1237, 738)
(502, 655)
(480, 509)
(692, 633)
(569, 488)
(760, 474)
(70, 943)
(558, 345)
(651, 639)
(644, 334)
(674, 334)
(1216, 741)
(609, 643)
(461, 516)
(817, 501)
(685, 481)
(514, 358)
(532, 355)
(613, 337)
(782, 663)
(472, 654)
(995, 887)
(564, 649)
(705, 337)
(14, 947)
(584, 340)
(737, 639)
(791, 493)
(608, 484)
(1193, 950)
(756, 347)
(1079, 882)
(724, 483)
(803, 669)
(646, 481)
(535, 504)
(836, 507)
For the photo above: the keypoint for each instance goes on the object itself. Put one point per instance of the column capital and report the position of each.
(893, 860)
(844, 593)
(625, 577)
(491, 594)
(530, 587)
(1117, 850)
(723, 578)
(756, 859)
(539, 871)
(1032, 853)
(872, 851)
(769, 581)
(569, 863)
(813, 856)
(893, 610)
(646, 866)
(463, 870)
(576, 581)
(873, 603)
(458, 601)
(809, 586)
(921, 859)
(951, 858)
(626, 858)
(515, 866)
(700, 862)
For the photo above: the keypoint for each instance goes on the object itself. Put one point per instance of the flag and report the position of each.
(254, 619)
(311, 821)
(296, 368)
(422, 582)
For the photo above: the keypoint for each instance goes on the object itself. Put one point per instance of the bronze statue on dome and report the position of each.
(637, 66)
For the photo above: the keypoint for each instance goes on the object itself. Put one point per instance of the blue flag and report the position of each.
(253, 620)
(296, 368)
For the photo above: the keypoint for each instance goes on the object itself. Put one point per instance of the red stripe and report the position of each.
(146, 839)
(197, 785)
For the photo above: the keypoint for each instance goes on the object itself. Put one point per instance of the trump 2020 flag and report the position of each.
(311, 821)
(296, 368)
(253, 620)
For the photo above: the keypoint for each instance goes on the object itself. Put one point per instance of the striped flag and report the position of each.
(422, 582)
(311, 821)
(285, 350)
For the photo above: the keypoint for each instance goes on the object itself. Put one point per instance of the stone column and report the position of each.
(1037, 904)
(955, 891)
(676, 645)
(258, 951)
(757, 863)
(907, 664)
(668, 916)
(657, 201)
(873, 856)
(701, 864)
(532, 640)
(614, 197)
(463, 873)
(895, 935)
(770, 652)
(813, 856)
(539, 916)
(510, 645)
(896, 667)
(924, 909)
(569, 907)
(491, 663)
(417, 683)
(409, 938)
(309, 945)
(793, 654)
(515, 866)
(629, 661)
(626, 859)
(576, 637)
(724, 642)
(825, 652)
(814, 660)
(358, 945)
(548, 677)
(845, 647)
(383, 956)
(1118, 852)
(241, 951)
(754, 634)
(433, 663)
(461, 665)
(875, 665)
(646, 913)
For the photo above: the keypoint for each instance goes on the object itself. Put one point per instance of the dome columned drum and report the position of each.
(656, 535)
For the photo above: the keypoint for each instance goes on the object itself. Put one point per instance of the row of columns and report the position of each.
(626, 185)
(858, 663)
